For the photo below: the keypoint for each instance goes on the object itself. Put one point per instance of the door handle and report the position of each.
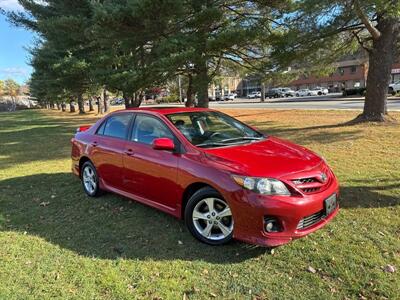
(129, 152)
(94, 144)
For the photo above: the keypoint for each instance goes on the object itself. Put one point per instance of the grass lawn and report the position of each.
(56, 242)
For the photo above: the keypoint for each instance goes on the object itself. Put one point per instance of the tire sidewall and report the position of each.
(194, 199)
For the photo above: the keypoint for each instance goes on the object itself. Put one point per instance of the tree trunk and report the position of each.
(381, 58)
(72, 106)
(106, 101)
(202, 81)
(262, 92)
(63, 107)
(134, 100)
(58, 106)
(13, 104)
(100, 107)
(127, 100)
(91, 108)
(189, 92)
(81, 104)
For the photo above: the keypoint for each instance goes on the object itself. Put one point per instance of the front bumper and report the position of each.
(249, 210)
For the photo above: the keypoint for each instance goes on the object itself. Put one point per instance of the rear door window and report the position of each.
(116, 126)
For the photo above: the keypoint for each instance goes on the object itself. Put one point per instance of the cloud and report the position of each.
(19, 74)
(10, 5)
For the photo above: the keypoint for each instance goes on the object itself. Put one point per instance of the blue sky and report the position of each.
(14, 57)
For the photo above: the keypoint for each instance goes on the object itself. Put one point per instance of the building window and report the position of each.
(353, 69)
(341, 71)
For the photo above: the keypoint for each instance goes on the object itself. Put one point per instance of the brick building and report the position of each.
(348, 74)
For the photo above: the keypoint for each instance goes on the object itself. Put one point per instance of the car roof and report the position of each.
(166, 110)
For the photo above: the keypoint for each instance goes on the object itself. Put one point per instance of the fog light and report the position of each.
(272, 225)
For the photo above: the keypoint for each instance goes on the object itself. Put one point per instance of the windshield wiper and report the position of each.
(215, 144)
(243, 138)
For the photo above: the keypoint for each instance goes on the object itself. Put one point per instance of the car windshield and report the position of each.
(213, 129)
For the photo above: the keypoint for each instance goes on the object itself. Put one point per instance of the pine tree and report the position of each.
(62, 24)
(320, 31)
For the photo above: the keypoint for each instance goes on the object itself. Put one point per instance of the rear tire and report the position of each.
(208, 217)
(90, 180)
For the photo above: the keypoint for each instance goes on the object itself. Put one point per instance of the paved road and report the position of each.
(317, 103)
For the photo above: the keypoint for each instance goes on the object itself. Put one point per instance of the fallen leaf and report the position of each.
(311, 270)
(390, 269)
(213, 295)
(180, 242)
(205, 271)
(44, 204)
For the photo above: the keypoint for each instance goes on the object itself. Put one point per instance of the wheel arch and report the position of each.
(82, 160)
(190, 190)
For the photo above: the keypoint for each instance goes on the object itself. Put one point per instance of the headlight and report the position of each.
(265, 186)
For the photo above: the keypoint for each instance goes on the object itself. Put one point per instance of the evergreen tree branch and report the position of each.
(375, 33)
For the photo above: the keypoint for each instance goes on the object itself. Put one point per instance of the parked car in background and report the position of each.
(394, 88)
(306, 92)
(320, 90)
(273, 93)
(218, 96)
(287, 92)
(222, 177)
(354, 91)
(229, 97)
(254, 95)
(117, 101)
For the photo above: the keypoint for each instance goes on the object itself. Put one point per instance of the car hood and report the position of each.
(272, 157)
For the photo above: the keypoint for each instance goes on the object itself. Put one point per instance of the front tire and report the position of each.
(90, 180)
(209, 218)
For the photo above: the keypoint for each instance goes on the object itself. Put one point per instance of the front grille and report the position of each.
(310, 220)
(311, 190)
(313, 184)
(305, 180)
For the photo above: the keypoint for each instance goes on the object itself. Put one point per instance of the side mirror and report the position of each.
(163, 144)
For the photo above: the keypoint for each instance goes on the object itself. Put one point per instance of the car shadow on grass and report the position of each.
(54, 207)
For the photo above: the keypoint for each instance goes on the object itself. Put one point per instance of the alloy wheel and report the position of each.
(89, 179)
(212, 219)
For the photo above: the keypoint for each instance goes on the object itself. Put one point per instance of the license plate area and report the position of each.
(330, 204)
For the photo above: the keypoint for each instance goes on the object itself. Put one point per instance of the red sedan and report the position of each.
(224, 178)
